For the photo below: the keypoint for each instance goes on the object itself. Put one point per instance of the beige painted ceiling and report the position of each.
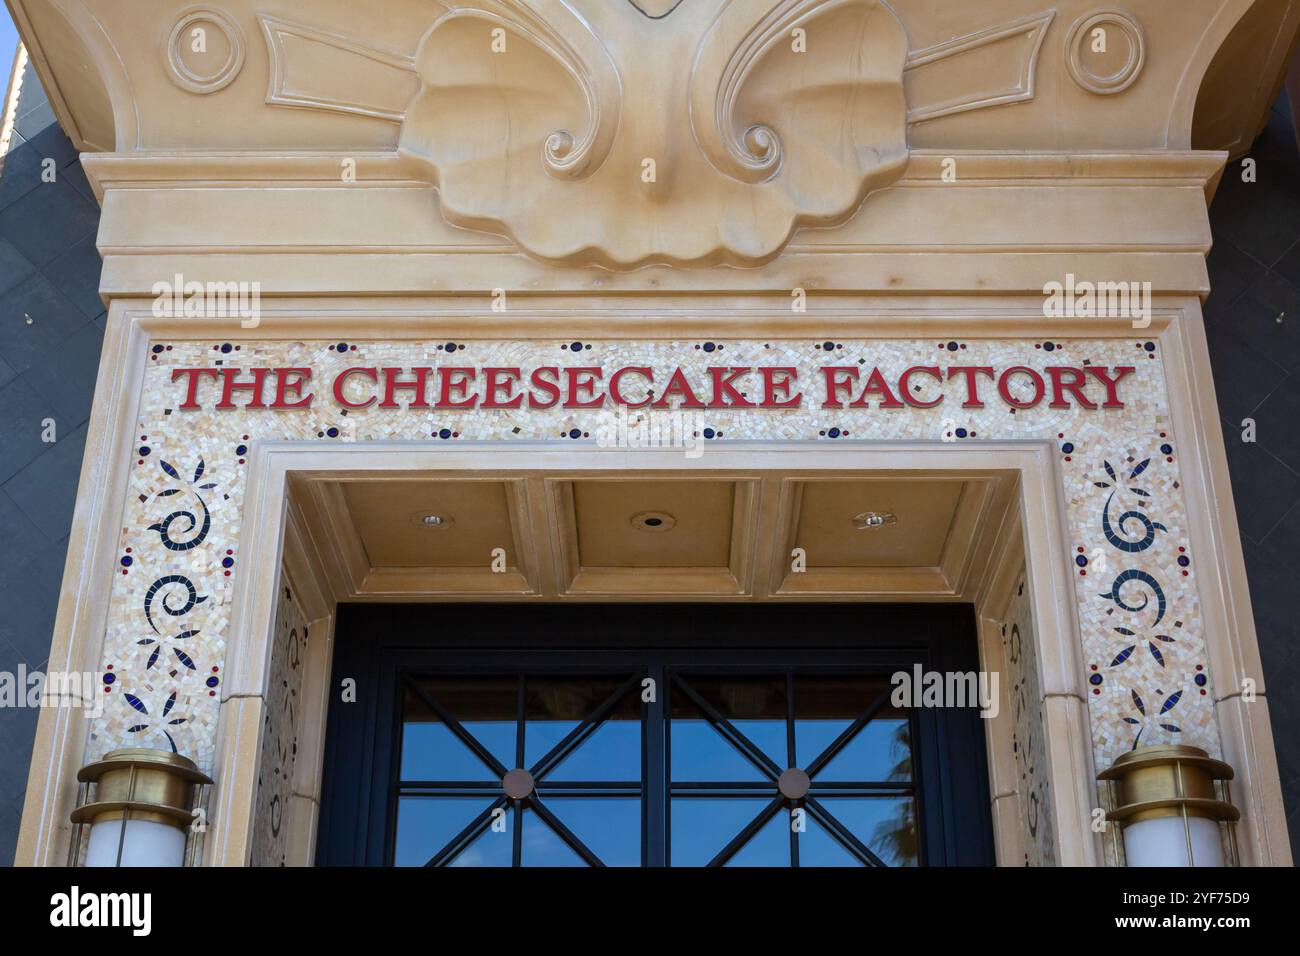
(754, 536)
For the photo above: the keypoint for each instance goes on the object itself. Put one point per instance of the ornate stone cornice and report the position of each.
(627, 134)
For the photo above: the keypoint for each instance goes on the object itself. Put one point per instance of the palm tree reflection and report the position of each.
(895, 837)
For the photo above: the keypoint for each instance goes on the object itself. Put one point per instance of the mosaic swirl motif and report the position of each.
(1137, 605)
(1143, 578)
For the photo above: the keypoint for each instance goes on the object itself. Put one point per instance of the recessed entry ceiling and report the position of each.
(437, 524)
(699, 513)
(665, 536)
(916, 539)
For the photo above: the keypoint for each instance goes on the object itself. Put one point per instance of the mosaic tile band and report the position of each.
(1033, 786)
(179, 547)
(280, 727)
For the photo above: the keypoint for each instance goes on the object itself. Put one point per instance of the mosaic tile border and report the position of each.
(1028, 741)
(280, 728)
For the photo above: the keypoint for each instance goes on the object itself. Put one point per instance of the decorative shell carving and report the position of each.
(586, 149)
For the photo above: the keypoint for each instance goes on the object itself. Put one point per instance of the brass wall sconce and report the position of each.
(1168, 805)
(142, 808)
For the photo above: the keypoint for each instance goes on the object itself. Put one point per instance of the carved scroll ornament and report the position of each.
(701, 145)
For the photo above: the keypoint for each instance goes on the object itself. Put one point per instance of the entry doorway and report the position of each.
(651, 735)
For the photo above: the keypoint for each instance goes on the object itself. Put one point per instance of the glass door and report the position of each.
(650, 749)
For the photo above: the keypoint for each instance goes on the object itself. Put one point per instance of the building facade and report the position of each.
(473, 373)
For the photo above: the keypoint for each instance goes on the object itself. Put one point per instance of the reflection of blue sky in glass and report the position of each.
(613, 752)
(611, 827)
(540, 736)
(483, 706)
(868, 818)
(767, 735)
(542, 846)
(430, 751)
(871, 755)
(812, 737)
(498, 736)
(426, 824)
(700, 753)
(490, 848)
(818, 848)
(702, 826)
(608, 826)
(770, 846)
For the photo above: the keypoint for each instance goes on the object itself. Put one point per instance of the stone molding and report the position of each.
(558, 127)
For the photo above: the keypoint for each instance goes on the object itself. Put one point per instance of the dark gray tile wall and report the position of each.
(51, 330)
(1253, 326)
(52, 326)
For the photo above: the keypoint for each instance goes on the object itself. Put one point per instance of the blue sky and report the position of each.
(8, 40)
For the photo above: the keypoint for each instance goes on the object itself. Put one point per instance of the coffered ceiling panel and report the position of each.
(387, 538)
(688, 536)
(918, 535)
(443, 524)
(653, 524)
(923, 513)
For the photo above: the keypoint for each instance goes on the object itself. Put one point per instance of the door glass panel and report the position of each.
(818, 848)
(544, 847)
(426, 824)
(491, 847)
(880, 751)
(887, 825)
(827, 705)
(555, 706)
(612, 753)
(608, 826)
(595, 787)
(485, 707)
(770, 846)
(754, 705)
(700, 753)
(702, 826)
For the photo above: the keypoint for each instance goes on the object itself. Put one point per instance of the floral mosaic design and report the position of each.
(1033, 785)
(1131, 534)
(280, 725)
(179, 546)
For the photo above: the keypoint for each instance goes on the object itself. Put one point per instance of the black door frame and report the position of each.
(376, 644)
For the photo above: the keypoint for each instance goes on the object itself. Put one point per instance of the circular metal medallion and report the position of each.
(794, 784)
(518, 784)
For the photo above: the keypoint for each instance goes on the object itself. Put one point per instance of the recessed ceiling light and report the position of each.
(653, 521)
(431, 521)
(870, 520)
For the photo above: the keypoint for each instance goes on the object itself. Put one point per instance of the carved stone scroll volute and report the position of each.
(509, 92)
(584, 149)
(807, 92)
